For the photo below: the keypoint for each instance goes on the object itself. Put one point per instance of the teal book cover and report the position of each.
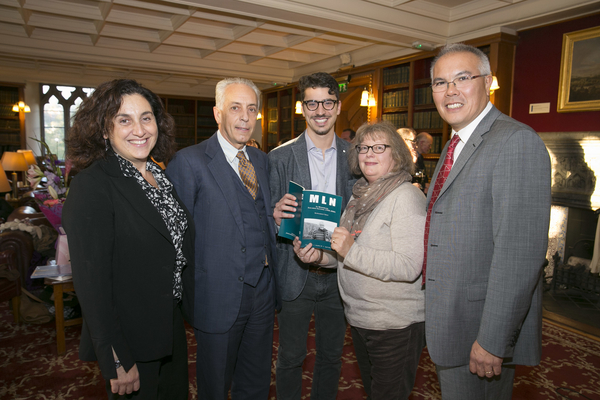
(317, 215)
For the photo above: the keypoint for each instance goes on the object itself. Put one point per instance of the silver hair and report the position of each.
(222, 85)
(484, 62)
(423, 136)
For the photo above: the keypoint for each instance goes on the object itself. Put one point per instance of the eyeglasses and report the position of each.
(312, 105)
(377, 148)
(459, 83)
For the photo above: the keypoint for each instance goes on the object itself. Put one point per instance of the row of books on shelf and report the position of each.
(184, 120)
(427, 120)
(272, 102)
(395, 99)
(185, 131)
(6, 110)
(423, 95)
(10, 137)
(207, 121)
(436, 148)
(393, 76)
(286, 101)
(205, 109)
(398, 120)
(177, 109)
(299, 125)
(9, 96)
(206, 132)
(10, 124)
(184, 141)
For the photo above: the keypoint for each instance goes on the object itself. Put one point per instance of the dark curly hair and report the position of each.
(94, 119)
(319, 80)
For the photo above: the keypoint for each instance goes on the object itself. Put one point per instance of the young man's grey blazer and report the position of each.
(289, 162)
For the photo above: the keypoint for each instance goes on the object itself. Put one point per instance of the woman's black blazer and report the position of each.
(123, 258)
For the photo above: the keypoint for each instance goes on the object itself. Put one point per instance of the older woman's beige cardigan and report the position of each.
(379, 279)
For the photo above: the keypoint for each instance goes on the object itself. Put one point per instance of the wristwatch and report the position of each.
(118, 364)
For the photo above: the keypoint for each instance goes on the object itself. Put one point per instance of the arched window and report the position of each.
(59, 105)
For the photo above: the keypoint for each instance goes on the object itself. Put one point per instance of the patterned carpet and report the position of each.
(30, 368)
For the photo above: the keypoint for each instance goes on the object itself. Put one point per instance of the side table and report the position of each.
(59, 287)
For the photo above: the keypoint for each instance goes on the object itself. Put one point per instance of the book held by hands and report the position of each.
(317, 215)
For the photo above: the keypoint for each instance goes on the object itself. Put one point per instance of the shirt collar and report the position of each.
(466, 132)
(228, 149)
(310, 144)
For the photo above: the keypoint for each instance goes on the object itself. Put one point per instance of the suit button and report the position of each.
(241, 279)
(243, 249)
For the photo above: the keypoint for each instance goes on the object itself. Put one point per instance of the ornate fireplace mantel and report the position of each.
(575, 167)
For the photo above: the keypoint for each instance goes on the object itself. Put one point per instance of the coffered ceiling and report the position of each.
(186, 46)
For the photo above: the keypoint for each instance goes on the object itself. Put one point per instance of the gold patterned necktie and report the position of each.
(247, 174)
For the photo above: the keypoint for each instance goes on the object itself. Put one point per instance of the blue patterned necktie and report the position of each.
(247, 174)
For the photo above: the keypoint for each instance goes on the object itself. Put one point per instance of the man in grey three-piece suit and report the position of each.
(487, 236)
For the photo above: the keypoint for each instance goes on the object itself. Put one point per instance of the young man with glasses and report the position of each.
(317, 160)
(486, 236)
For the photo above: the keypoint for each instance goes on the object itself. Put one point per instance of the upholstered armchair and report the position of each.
(21, 244)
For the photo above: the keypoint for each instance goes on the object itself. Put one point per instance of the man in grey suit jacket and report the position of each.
(487, 237)
(317, 160)
(235, 258)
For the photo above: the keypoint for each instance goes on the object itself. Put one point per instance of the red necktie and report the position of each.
(439, 184)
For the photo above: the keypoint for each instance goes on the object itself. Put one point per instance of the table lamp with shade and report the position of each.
(13, 161)
(4, 185)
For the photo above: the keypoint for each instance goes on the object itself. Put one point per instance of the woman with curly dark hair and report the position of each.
(130, 241)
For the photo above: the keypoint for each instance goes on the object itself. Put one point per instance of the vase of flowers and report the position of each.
(57, 177)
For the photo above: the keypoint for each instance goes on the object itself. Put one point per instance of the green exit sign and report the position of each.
(343, 87)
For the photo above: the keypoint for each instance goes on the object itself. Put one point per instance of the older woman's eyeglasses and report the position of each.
(377, 148)
(312, 105)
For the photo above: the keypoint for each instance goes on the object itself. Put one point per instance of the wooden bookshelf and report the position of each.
(194, 119)
(12, 124)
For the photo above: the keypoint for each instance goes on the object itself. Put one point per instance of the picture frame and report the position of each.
(579, 85)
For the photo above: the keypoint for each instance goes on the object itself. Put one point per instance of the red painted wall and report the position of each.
(537, 74)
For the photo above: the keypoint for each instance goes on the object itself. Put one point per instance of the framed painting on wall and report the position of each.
(579, 85)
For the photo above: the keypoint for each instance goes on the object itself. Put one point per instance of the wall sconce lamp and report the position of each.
(494, 86)
(298, 107)
(21, 106)
(258, 116)
(372, 102)
(367, 99)
(364, 98)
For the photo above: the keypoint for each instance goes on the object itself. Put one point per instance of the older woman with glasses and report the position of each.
(379, 258)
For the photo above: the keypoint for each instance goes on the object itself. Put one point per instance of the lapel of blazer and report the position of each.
(470, 147)
(224, 175)
(135, 195)
(301, 158)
